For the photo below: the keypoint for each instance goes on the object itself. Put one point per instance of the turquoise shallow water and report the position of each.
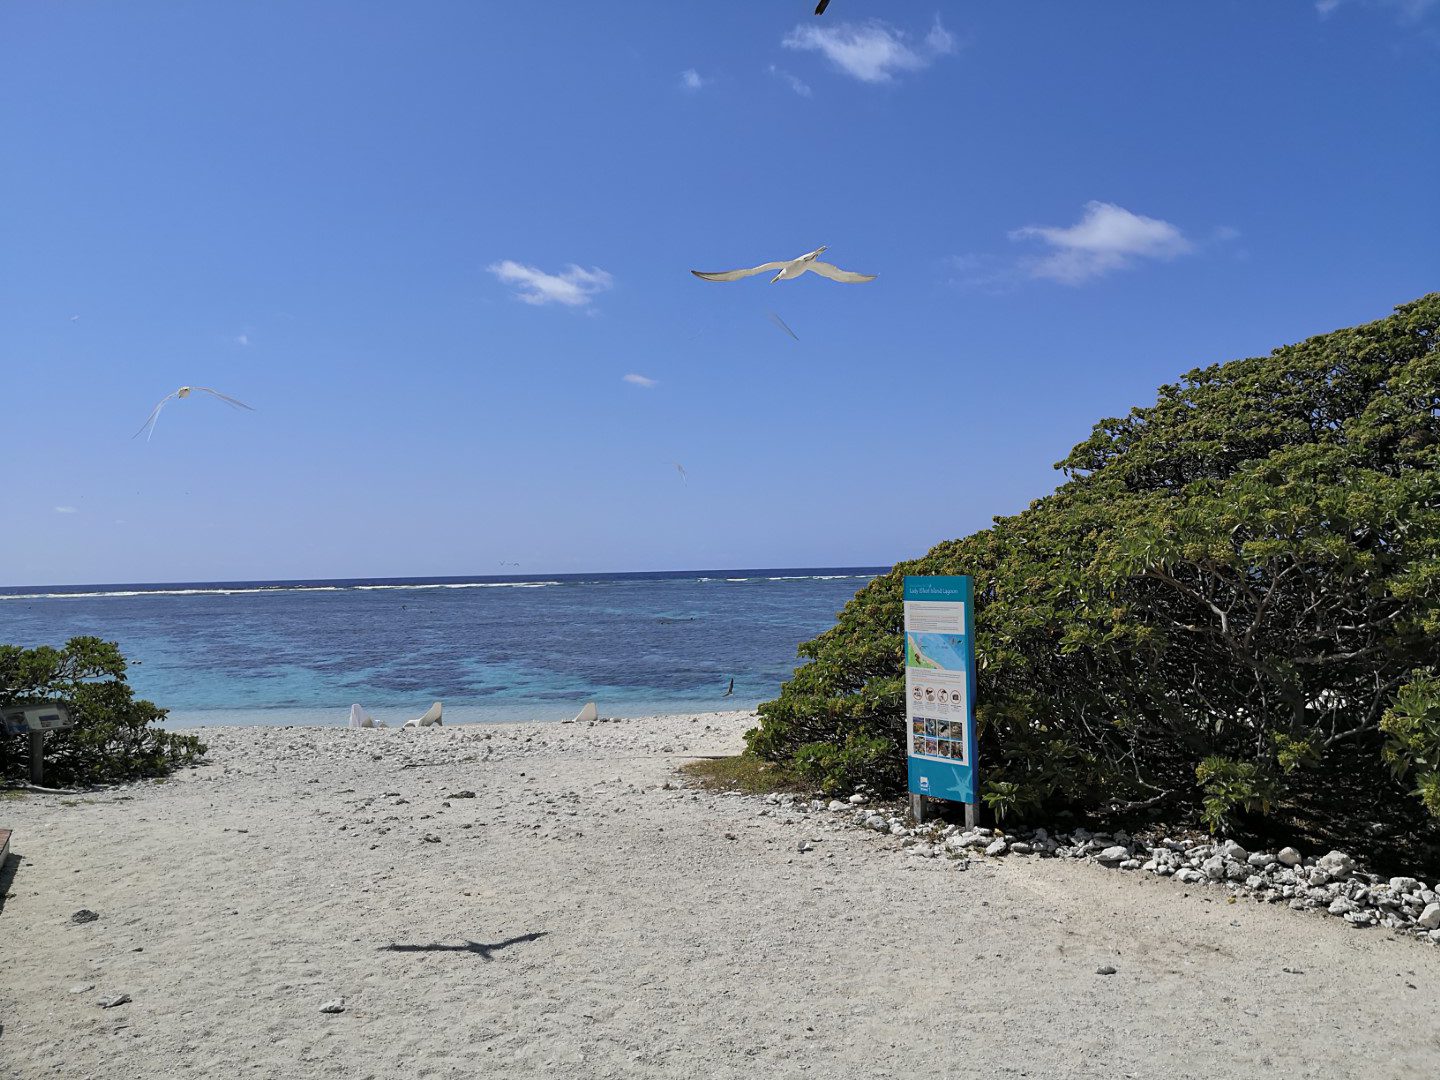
(489, 648)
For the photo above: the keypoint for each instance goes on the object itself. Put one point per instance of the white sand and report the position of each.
(668, 949)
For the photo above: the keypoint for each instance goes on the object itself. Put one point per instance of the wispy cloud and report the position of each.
(1409, 11)
(690, 80)
(799, 86)
(574, 286)
(641, 380)
(873, 51)
(66, 510)
(1106, 238)
(984, 273)
(242, 339)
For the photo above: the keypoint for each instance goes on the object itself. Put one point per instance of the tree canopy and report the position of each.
(1232, 602)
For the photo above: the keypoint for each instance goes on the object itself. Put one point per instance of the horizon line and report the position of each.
(440, 578)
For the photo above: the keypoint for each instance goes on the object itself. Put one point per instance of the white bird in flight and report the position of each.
(184, 392)
(789, 270)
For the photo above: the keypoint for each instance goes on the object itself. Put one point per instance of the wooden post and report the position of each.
(917, 808)
(37, 758)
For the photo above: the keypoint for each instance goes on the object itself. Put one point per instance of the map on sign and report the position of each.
(944, 652)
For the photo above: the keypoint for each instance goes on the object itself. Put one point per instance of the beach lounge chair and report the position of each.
(432, 716)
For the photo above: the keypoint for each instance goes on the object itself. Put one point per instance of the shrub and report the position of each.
(112, 739)
(1213, 612)
(1413, 726)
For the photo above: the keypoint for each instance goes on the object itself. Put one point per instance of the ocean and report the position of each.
(490, 648)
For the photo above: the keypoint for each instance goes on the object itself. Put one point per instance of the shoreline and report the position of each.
(454, 715)
(543, 900)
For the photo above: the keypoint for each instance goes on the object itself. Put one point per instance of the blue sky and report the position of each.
(429, 242)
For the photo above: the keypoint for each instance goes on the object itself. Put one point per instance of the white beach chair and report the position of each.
(432, 716)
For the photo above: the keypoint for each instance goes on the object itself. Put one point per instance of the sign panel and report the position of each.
(36, 716)
(939, 687)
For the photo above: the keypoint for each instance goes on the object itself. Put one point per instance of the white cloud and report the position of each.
(66, 510)
(795, 83)
(574, 286)
(640, 380)
(242, 339)
(1106, 238)
(690, 80)
(872, 51)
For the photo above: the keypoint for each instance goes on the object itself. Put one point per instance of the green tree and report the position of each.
(1215, 610)
(113, 738)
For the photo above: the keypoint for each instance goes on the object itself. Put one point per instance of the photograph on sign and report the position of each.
(938, 706)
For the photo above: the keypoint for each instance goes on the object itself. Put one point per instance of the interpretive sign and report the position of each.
(939, 687)
(36, 716)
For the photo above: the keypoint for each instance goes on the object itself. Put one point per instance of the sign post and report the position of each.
(35, 718)
(940, 691)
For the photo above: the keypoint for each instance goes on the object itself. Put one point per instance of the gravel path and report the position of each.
(577, 918)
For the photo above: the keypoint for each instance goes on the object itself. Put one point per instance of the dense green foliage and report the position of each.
(1229, 605)
(113, 738)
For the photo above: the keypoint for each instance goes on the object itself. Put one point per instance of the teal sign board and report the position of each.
(940, 686)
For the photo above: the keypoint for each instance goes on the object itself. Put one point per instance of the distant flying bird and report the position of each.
(820, 7)
(782, 325)
(681, 470)
(730, 690)
(184, 392)
(789, 270)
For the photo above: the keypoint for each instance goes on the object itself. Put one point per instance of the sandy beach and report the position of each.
(586, 913)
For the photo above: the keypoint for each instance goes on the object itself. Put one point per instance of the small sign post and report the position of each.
(35, 718)
(940, 691)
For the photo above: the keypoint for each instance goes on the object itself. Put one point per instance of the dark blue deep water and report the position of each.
(489, 648)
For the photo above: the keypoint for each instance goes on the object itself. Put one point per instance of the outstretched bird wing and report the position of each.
(736, 275)
(154, 415)
(834, 273)
(820, 7)
(224, 397)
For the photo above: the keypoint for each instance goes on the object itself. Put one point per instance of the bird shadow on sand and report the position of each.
(480, 949)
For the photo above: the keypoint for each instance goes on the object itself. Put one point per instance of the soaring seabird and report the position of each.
(789, 270)
(184, 392)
